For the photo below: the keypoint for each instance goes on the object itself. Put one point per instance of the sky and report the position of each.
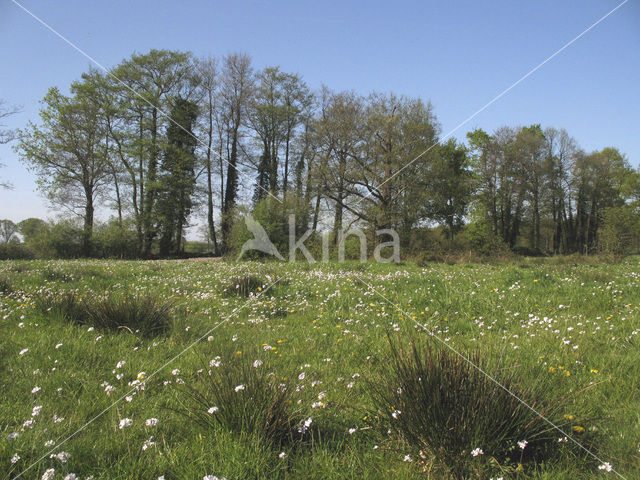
(457, 54)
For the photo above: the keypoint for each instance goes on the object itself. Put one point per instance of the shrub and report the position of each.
(439, 403)
(237, 394)
(16, 251)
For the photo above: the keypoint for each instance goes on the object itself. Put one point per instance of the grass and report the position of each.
(565, 334)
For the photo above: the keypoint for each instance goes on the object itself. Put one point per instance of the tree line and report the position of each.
(165, 137)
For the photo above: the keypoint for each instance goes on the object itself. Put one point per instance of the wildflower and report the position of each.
(35, 389)
(238, 388)
(120, 364)
(606, 466)
(396, 414)
(212, 410)
(522, 444)
(257, 363)
(175, 372)
(48, 474)
(305, 426)
(477, 451)
(151, 422)
(71, 476)
(15, 458)
(352, 431)
(148, 443)
(125, 422)
(62, 457)
(282, 455)
(49, 443)
(301, 376)
(578, 429)
(23, 351)
(36, 411)
(13, 435)
(407, 458)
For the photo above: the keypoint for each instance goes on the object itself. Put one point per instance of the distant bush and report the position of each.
(16, 251)
(438, 402)
(238, 394)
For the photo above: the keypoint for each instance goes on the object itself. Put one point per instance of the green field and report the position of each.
(570, 330)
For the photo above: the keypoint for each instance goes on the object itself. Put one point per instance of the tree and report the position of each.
(207, 69)
(32, 229)
(8, 230)
(177, 180)
(450, 187)
(67, 154)
(6, 135)
(237, 88)
(150, 82)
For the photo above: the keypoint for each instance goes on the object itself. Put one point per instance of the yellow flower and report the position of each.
(593, 370)
(568, 416)
(239, 352)
(552, 369)
(578, 429)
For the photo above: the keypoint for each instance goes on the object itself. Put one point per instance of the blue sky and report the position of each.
(457, 54)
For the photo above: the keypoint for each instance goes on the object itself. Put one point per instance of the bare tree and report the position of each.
(6, 135)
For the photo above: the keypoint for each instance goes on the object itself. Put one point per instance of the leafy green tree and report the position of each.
(450, 187)
(177, 178)
(32, 228)
(68, 155)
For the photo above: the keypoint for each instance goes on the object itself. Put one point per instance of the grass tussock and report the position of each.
(5, 286)
(245, 285)
(144, 315)
(439, 404)
(242, 396)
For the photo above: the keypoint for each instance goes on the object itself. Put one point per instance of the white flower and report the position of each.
(476, 452)
(35, 389)
(239, 387)
(48, 475)
(36, 411)
(282, 455)
(606, 466)
(522, 444)
(352, 431)
(212, 410)
(15, 458)
(108, 389)
(58, 346)
(305, 426)
(175, 372)
(301, 376)
(151, 422)
(148, 443)
(22, 352)
(71, 476)
(125, 422)
(257, 363)
(396, 414)
(407, 458)
(62, 456)
(120, 364)
(216, 362)
(49, 443)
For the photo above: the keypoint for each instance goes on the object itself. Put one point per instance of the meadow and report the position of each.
(295, 371)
